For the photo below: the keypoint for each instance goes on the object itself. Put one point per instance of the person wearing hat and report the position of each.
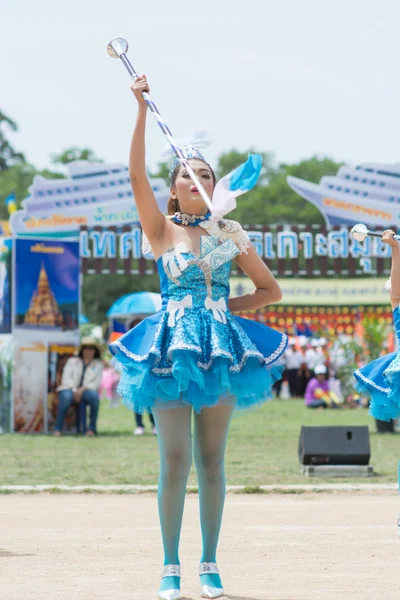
(318, 393)
(80, 383)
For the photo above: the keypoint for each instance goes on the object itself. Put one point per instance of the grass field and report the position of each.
(262, 449)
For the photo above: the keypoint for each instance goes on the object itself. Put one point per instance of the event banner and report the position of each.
(296, 242)
(324, 292)
(46, 290)
(5, 284)
(29, 386)
(6, 362)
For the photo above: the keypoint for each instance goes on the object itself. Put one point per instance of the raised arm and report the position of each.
(151, 218)
(387, 237)
(267, 288)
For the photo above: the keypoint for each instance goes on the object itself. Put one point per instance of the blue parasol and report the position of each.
(138, 303)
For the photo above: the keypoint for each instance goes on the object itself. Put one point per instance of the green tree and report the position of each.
(161, 172)
(8, 156)
(228, 161)
(375, 336)
(95, 305)
(74, 153)
(274, 201)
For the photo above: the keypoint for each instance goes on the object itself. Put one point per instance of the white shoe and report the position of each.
(173, 594)
(154, 430)
(208, 591)
(139, 431)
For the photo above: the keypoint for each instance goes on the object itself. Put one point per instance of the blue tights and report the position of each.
(175, 444)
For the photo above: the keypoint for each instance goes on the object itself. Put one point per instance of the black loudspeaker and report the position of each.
(334, 445)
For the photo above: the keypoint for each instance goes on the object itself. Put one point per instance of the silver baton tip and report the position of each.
(360, 232)
(117, 46)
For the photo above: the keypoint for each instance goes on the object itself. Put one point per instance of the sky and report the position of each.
(295, 78)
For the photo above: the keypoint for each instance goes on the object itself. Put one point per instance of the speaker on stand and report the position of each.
(335, 451)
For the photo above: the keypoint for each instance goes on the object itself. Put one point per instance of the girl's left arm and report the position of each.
(267, 288)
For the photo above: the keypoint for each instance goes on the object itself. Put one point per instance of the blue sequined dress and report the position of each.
(193, 351)
(380, 380)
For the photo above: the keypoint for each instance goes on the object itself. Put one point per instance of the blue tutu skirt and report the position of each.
(380, 380)
(199, 361)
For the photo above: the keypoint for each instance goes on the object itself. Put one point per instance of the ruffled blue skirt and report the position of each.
(200, 362)
(380, 380)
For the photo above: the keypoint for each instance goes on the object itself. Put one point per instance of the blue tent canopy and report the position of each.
(139, 303)
(83, 320)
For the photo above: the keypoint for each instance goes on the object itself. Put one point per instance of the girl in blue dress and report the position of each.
(194, 356)
(380, 379)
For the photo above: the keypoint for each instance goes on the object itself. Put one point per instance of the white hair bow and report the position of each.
(193, 138)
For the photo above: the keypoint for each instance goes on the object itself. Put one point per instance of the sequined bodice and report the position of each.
(200, 281)
(197, 280)
(190, 281)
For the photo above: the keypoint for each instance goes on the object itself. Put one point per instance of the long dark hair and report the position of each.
(96, 350)
(173, 203)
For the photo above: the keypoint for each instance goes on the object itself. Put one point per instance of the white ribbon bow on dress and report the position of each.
(176, 309)
(174, 256)
(218, 308)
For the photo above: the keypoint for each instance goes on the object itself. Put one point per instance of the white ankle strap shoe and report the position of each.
(172, 594)
(208, 591)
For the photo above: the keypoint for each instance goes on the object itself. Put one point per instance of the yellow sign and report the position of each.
(358, 208)
(47, 249)
(324, 292)
(54, 221)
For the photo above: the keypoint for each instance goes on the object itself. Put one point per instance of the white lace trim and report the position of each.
(393, 366)
(372, 383)
(146, 247)
(233, 368)
(140, 357)
(226, 229)
(183, 346)
(215, 354)
(136, 357)
(279, 350)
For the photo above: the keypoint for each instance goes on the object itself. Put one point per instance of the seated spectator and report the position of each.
(318, 393)
(80, 383)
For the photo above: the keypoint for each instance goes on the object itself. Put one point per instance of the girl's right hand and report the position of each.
(138, 87)
(388, 238)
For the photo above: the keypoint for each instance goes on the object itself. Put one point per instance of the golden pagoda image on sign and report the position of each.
(43, 308)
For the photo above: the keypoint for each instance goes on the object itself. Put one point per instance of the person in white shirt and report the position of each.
(80, 383)
(293, 359)
(311, 356)
(322, 352)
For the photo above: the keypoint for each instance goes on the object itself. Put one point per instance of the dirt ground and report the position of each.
(276, 547)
